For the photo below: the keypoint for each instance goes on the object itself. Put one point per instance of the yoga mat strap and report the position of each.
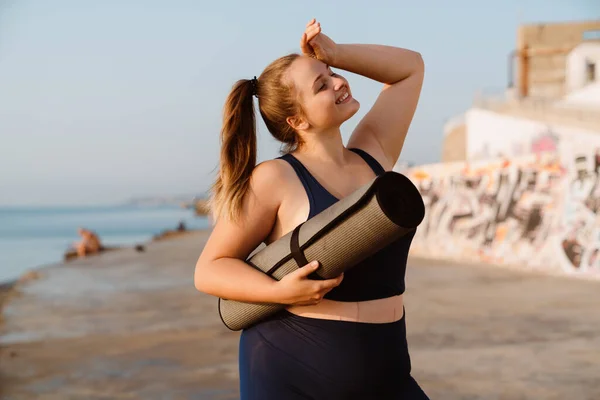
(297, 253)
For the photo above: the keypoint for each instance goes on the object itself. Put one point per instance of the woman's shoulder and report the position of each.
(270, 172)
(269, 178)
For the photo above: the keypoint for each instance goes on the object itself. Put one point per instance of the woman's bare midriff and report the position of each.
(389, 309)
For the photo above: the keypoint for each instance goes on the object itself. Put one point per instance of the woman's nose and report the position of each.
(338, 84)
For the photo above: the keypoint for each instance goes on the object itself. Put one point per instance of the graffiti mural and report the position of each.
(537, 211)
(581, 241)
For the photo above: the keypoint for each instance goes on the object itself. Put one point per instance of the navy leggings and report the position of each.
(289, 357)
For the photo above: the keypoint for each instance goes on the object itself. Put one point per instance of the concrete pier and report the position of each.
(129, 325)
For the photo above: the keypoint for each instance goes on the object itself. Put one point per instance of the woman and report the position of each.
(343, 338)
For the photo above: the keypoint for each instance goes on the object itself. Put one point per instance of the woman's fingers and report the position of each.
(304, 44)
(310, 35)
(313, 28)
(329, 284)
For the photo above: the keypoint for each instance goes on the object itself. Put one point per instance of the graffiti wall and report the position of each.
(538, 211)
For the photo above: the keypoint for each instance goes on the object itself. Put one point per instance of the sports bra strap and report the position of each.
(369, 159)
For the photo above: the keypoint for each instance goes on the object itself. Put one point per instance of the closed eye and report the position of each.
(324, 85)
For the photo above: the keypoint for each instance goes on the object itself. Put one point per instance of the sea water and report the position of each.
(31, 237)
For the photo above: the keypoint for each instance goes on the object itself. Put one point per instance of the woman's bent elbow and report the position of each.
(199, 278)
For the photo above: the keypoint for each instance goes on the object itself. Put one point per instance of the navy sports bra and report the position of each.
(376, 277)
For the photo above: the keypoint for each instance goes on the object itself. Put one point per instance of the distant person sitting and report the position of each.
(89, 244)
(181, 227)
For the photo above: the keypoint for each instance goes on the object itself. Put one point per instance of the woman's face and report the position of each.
(324, 96)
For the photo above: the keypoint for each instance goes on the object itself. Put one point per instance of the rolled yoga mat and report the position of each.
(339, 237)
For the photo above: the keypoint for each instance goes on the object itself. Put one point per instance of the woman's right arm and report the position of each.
(221, 270)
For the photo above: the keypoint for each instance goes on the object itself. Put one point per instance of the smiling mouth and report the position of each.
(343, 98)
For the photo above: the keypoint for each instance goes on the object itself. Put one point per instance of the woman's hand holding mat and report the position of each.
(298, 289)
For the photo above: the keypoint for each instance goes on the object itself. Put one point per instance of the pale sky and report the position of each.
(101, 101)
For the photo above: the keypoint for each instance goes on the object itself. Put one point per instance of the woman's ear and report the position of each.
(297, 123)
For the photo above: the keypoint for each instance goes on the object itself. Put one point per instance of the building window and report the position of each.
(591, 35)
(590, 71)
